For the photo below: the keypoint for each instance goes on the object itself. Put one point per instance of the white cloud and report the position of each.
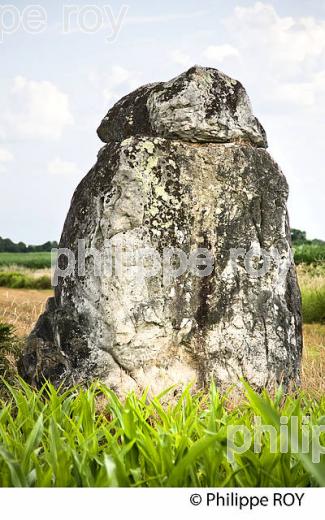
(283, 55)
(181, 58)
(218, 53)
(301, 94)
(35, 110)
(162, 18)
(60, 167)
(5, 158)
(117, 83)
(286, 40)
(5, 155)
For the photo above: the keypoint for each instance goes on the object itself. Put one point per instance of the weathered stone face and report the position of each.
(200, 105)
(185, 167)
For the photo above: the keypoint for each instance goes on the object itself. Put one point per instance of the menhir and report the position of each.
(185, 170)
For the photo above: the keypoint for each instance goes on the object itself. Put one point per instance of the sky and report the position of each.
(64, 65)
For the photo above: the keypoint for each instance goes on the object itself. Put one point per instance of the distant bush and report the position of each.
(23, 281)
(42, 282)
(309, 254)
(313, 305)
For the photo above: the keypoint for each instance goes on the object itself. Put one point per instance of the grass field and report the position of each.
(25, 270)
(30, 260)
(21, 308)
(313, 362)
(312, 285)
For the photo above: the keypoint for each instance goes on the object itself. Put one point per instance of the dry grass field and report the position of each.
(34, 273)
(22, 307)
(313, 366)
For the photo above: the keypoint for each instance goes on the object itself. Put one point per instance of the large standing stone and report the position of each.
(185, 166)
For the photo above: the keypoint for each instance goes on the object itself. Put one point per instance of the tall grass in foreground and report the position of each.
(88, 437)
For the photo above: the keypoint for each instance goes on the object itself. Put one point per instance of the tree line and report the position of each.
(299, 237)
(8, 246)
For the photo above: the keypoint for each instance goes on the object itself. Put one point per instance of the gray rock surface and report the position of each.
(200, 105)
(184, 167)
